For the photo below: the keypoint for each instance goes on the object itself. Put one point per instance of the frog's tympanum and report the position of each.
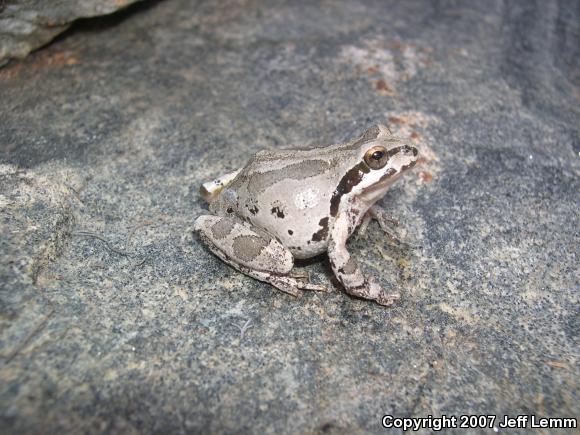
(296, 204)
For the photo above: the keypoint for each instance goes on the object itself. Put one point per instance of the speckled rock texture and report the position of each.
(114, 318)
(28, 24)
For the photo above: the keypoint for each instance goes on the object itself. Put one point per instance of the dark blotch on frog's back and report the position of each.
(277, 212)
(322, 233)
(252, 208)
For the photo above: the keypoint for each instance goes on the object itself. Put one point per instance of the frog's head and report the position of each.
(383, 159)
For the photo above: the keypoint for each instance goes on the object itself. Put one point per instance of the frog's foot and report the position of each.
(292, 283)
(386, 221)
(254, 252)
(382, 217)
(388, 299)
(286, 283)
(373, 291)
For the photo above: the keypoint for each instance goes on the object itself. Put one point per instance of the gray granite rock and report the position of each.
(114, 318)
(28, 24)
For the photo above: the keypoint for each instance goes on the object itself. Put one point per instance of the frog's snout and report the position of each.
(407, 150)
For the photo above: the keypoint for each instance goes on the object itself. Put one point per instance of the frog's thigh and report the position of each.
(251, 251)
(243, 244)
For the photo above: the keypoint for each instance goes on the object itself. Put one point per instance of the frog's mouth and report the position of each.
(375, 191)
(408, 166)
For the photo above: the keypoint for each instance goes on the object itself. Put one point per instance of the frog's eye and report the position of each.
(376, 157)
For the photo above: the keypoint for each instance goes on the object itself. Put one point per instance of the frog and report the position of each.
(296, 204)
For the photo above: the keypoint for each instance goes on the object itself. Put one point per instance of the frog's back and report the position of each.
(286, 193)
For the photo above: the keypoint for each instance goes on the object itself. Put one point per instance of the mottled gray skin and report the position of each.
(306, 202)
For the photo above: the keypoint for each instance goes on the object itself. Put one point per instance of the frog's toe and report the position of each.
(314, 287)
(380, 214)
(300, 274)
(385, 225)
(373, 291)
(392, 236)
(303, 282)
(385, 221)
(387, 300)
(284, 283)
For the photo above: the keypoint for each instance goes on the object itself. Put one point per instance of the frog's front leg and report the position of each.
(348, 271)
(383, 218)
(252, 251)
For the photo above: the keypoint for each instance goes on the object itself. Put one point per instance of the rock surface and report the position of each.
(28, 24)
(114, 318)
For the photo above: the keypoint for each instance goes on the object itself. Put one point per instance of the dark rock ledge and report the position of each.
(28, 24)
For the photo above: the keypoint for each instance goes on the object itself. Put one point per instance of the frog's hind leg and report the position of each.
(253, 251)
(290, 284)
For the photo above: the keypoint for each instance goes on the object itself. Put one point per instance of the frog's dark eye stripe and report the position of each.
(376, 157)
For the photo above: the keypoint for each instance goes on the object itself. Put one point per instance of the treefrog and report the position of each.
(299, 203)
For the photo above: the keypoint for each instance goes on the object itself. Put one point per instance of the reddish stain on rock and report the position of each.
(426, 176)
(383, 87)
(38, 61)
